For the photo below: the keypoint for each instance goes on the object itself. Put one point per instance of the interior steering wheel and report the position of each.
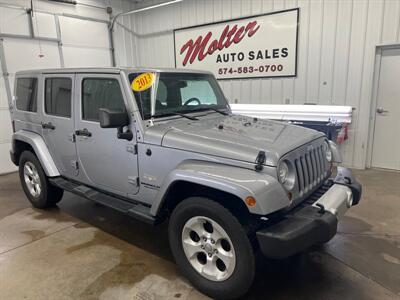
(187, 102)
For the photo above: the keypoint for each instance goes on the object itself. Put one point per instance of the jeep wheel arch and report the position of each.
(26, 140)
(231, 180)
(180, 190)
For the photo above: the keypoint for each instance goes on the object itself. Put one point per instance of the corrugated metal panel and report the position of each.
(337, 41)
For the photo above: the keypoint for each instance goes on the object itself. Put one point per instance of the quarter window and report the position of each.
(58, 96)
(100, 93)
(27, 94)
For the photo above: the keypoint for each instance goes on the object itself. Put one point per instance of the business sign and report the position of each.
(258, 46)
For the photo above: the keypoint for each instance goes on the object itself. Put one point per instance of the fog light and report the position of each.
(250, 201)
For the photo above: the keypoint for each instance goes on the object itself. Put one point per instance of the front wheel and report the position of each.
(212, 248)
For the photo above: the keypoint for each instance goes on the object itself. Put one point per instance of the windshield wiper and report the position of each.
(219, 111)
(214, 109)
(176, 114)
(185, 116)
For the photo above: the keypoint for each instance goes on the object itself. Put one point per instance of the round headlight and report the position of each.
(286, 174)
(328, 152)
(283, 172)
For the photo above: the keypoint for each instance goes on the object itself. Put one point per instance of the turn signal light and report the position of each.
(250, 201)
(290, 195)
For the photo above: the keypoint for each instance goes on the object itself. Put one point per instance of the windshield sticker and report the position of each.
(142, 82)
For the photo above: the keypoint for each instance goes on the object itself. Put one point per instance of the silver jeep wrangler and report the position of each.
(160, 144)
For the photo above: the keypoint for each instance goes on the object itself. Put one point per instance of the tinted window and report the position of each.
(100, 93)
(27, 94)
(58, 96)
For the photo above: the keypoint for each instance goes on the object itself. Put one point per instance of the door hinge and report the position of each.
(75, 164)
(134, 180)
(72, 137)
(132, 148)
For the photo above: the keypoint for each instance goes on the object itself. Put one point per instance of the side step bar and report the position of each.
(135, 210)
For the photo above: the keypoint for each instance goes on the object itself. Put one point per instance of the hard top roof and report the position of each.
(108, 70)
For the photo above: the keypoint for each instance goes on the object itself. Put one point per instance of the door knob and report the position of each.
(48, 126)
(380, 110)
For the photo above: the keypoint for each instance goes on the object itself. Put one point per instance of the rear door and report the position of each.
(58, 124)
(105, 162)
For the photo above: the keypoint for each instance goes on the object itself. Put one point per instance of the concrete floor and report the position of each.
(81, 250)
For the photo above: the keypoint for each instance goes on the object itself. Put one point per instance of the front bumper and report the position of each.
(311, 224)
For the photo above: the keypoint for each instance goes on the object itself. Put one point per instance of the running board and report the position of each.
(135, 210)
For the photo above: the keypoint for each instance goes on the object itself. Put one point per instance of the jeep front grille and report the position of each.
(311, 169)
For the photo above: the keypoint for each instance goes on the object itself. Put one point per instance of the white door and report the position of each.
(386, 145)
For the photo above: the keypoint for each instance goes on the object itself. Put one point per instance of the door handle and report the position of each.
(380, 110)
(83, 132)
(48, 126)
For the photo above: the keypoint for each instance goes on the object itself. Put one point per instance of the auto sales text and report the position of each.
(252, 55)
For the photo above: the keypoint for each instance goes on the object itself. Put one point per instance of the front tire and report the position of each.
(212, 248)
(35, 183)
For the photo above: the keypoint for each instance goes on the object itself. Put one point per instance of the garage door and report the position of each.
(83, 43)
(5, 129)
(91, 47)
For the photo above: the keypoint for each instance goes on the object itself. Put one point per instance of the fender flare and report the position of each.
(241, 182)
(40, 148)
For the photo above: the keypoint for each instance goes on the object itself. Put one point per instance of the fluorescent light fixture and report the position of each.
(154, 6)
(74, 2)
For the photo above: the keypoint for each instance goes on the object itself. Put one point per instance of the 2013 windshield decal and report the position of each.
(202, 46)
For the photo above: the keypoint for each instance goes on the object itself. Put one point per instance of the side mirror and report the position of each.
(112, 119)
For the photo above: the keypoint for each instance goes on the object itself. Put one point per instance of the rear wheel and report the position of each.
(212, 248)
(35, 183)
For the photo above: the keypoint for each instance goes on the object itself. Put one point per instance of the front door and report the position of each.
(386, 144)
(58, 124)
(105, 162)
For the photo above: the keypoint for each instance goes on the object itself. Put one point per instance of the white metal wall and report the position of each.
(84, 42)
(337, 41)
(125, 39)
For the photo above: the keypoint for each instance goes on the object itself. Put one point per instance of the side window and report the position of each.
(27, 94)
(100, 93)
(58, 96)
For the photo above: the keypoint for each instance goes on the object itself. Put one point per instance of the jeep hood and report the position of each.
(233, 137)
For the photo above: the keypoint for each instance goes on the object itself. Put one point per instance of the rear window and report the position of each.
(58, 96)
(26, 95)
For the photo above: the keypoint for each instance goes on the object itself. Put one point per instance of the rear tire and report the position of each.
(212, 248)
(35, 183)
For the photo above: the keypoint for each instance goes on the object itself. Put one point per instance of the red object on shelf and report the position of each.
(343, 134)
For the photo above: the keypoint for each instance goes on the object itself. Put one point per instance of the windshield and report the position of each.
(165, 94)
